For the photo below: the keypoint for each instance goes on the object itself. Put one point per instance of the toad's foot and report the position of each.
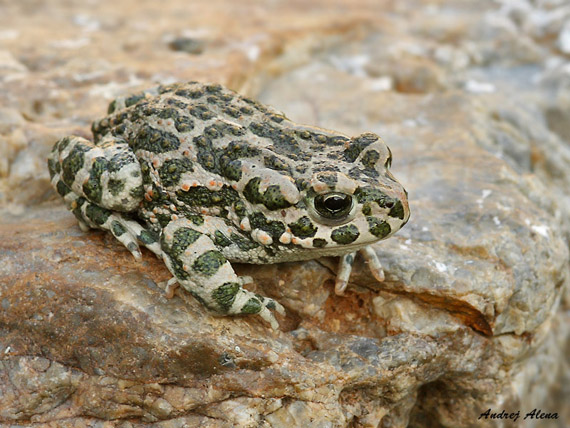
(345, 268)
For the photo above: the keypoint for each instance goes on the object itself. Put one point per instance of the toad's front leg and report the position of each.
(204, 272)
(345, 268)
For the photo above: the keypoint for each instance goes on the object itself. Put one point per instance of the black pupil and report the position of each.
(333, 205)
(336, 202)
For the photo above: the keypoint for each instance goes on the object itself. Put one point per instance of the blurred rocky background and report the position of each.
(472, 96)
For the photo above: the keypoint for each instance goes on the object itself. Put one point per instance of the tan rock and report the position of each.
(473, 314)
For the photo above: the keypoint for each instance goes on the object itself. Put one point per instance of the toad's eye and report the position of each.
(334, 206)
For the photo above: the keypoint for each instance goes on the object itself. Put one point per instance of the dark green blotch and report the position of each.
(277, 118)
(319, 243)
(329, 178)
(172, 169)
(121, 158)
(196, 93)
(273, 199)
(213, 88)
(357, 145)
(246, 110)
(370, 158)
(163, 219)
(225, 295)
(203, 197)
(231, 111)
(196, 219)
(231, 169)
(97, 214)
(241, 149)
(338, 140)
(62, 188)
(145, 171)
(345, 235)
(214, 131)
(378, 228)
(112, 107)
(155, 140)
(147, 237)
(54, 167)
(366, 208)
(278, 164)
(240, 208)
(272, 227)
(93, 188)
(133, 99)
(181, 240)
(117, 228)
(284, 142)
(397, 210)
(201, 112)
(303, 228)
(137, 192)
(302, 183)
(370, 194)
(74, 160)
(243, 243)
(251, 191)
(61, 145)
(115, 186)
(221, 240)
(182, 105)
(209, 262)
(253, 306)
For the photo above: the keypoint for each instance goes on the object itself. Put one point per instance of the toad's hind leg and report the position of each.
(107, 174)
(100, 184)
(201, 268)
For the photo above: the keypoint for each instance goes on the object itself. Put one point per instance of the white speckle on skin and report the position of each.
(496, 221)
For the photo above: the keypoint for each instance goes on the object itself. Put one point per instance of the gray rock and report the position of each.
(473, 314)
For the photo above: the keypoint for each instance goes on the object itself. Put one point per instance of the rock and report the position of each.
(473, 314)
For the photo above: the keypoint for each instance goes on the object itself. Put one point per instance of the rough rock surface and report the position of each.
(473, 99)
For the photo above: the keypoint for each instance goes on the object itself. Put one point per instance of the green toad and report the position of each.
(202, 176)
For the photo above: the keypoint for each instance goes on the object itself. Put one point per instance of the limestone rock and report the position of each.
(473, 314)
